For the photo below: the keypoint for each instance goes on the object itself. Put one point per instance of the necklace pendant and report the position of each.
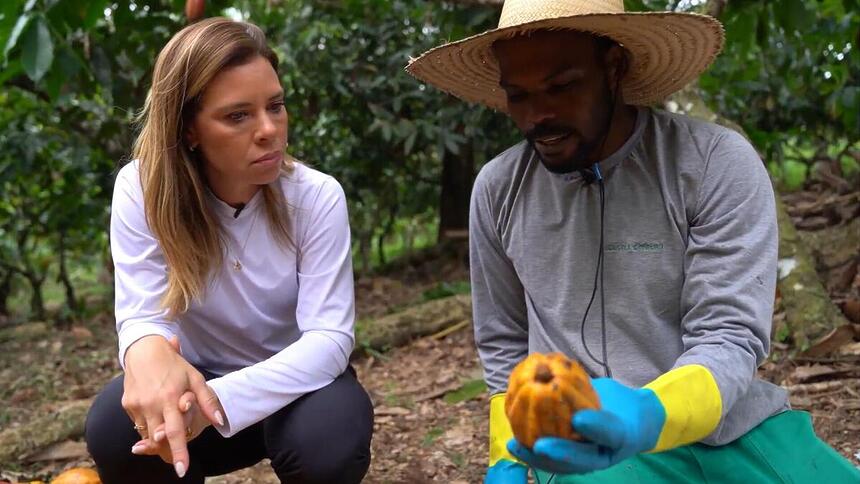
(237, 265)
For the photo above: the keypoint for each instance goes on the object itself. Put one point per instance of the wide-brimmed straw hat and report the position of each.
(667, 49)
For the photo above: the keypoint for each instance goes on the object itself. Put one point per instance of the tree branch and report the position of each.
(715, 8)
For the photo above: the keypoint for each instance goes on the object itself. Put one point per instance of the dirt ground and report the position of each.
(419, 436)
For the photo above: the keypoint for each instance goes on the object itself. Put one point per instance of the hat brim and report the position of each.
(667, 51)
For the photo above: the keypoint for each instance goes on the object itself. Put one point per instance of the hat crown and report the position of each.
(517, 12)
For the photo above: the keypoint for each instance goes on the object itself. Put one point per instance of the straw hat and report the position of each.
(667, 50)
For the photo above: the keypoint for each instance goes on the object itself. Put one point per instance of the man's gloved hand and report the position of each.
(506, 472)
(680, 407)
(503, 469)
(629, 422)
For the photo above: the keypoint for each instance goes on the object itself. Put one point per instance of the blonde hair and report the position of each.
(174, 188)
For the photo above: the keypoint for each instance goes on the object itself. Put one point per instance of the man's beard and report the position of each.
(588, 150)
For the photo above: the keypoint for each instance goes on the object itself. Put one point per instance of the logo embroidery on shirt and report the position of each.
(635, 247)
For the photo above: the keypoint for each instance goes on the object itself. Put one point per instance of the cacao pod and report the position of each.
(544, 391)
(78, 475)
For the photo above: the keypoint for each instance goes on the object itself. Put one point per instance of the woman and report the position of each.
(234, 291)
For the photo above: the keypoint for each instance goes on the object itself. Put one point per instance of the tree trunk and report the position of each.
(365, 246)
(397, 329)
(37, 302)
(810, 314)
(715, 8)
(29, 272)
(458, 172)
(5, 292)
(386, 231)
(408, 237)
(71, 299)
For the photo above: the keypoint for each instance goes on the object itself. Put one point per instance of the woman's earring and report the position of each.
(192, 148)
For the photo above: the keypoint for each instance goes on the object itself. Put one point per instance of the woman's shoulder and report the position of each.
(129, 171)
(304, 184)
(127, 180)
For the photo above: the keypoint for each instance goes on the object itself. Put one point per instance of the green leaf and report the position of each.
(95, 11)
(835, 8)
(794, 174)
(850, 108)
(634, 6)
(101, 66)
(11, 70)
(19, 27)
(741, 28)
(410, 142)
(451, 144)
(792, 15)
(37, 50)
(467, 391)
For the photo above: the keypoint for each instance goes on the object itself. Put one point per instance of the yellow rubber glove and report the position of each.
(503, 468)
(693, 405)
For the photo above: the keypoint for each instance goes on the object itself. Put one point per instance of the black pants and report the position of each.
(323, 437)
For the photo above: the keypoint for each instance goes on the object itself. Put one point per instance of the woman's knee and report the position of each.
(310, 463)
(325, 436)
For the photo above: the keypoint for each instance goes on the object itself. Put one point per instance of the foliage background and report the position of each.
(75, 73)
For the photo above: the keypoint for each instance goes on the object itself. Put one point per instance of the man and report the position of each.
(641, 243)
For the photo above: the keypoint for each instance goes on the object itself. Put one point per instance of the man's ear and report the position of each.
(617, 66)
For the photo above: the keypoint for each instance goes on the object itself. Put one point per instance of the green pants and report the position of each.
(782, 449)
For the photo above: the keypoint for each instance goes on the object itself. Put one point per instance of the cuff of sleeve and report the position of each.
(500, 431)
(131, 333)
(232, 424)
(693, 405)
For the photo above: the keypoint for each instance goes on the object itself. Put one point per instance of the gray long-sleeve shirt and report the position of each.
(690, 263)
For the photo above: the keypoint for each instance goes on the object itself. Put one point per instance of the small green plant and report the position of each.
(393, 399)
(458, 459)
(467, 391)
(431, 436)
(446, 289)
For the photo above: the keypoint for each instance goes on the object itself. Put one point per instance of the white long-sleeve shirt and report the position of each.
(280, 327)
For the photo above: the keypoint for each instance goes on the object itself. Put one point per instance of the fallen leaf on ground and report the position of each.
(383, 410)
(804, 374)
(68, 449)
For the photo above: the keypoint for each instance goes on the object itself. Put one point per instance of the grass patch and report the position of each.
(446, 289)
(431, 436)
(458, 459)
(467, 391)
(392, 399)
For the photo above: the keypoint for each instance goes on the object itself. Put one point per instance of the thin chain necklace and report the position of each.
(237, 265)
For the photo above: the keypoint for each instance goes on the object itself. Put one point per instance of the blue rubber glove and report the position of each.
(629, 422)
(506, 472)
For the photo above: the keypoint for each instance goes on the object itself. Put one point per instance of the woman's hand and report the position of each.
(195, 424)
(156, 376)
